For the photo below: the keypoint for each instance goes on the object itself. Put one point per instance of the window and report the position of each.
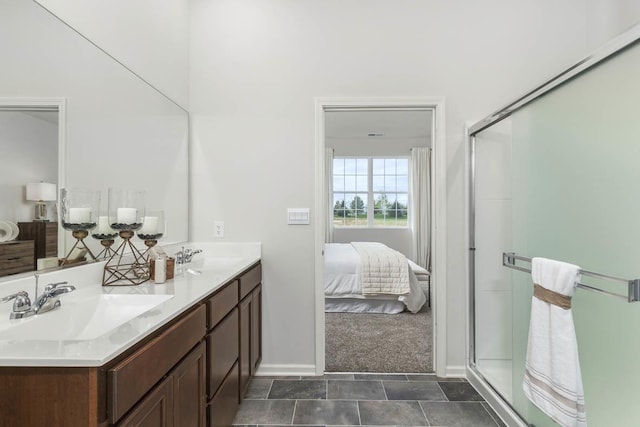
(370, 191)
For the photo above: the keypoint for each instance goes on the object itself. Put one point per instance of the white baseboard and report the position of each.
(497, 403)
(285, 370)
(455, 371)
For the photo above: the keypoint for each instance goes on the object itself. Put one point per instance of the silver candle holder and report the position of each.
(126, 266)
(106, 235)
(78, 207)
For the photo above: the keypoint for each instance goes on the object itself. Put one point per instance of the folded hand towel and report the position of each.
(552, 378)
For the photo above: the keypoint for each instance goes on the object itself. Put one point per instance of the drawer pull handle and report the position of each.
(13, 259)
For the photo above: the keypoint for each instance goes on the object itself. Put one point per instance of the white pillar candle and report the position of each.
(79, 215)
(103, 225)
(126, 215)
(150, 225)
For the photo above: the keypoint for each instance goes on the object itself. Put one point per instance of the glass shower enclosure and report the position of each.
(557, 175)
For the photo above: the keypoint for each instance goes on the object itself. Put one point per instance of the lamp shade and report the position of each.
(41, 191)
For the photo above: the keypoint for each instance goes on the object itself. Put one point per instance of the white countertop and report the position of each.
(95, 324)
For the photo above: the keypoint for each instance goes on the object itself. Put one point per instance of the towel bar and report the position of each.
(633, 286)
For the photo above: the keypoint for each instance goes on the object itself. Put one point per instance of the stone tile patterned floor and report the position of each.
(364, 400)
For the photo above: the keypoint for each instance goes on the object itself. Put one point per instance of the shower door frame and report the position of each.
(475, 377)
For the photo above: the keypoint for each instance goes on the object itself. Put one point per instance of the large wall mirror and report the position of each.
(72, 115)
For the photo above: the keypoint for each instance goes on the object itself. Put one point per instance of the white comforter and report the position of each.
(341, 278)
(382, 270)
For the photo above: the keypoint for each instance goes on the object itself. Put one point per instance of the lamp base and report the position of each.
(40, 213)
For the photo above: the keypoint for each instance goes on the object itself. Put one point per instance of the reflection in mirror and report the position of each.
(118, 131)
(28, 143)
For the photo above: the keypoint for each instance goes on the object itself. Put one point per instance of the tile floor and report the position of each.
(364, 399)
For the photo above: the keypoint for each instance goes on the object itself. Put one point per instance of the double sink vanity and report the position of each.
(181, 353)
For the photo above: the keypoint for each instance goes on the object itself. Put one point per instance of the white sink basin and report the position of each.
(211, 263)
(82, 319)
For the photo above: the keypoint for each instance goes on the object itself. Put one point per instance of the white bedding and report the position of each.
(382, 270)
(341, 280)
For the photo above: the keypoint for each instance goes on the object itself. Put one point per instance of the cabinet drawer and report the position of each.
(16, 257)
(222, 350)
(131, 378)
(16, 249)
(222, 303)
(224, 405)
(250, 280)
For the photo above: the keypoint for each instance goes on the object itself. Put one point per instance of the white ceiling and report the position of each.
(395, 124)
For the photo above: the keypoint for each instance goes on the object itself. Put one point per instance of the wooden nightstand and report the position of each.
(16, 257)
(44, 235)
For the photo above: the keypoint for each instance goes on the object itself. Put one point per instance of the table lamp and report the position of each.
(41, 193)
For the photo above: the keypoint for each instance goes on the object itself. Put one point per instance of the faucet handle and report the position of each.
(21, 303)
(180, 256)
(52, 286)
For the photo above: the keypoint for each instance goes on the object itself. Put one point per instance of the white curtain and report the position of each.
(421, 205)
(328, 178)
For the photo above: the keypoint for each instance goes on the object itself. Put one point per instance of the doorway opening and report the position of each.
(33, 131)
(366, 151)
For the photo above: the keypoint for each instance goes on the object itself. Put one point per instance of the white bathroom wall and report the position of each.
(149, 37)
(256, 68)
(27, 145)
(607, 19)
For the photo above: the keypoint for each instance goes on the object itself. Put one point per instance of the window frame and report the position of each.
(370, 223)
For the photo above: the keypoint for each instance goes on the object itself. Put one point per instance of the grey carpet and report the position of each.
(357, 342)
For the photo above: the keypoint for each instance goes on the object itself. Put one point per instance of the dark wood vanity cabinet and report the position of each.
(189, 373)
(234, 344)
(222, 356)
(178, 400)
(155, 410)
(250, 326)
(178, 356)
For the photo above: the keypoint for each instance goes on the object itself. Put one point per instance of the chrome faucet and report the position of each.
(49, 298)
(48, 301)
(184, 256)
(21, 304)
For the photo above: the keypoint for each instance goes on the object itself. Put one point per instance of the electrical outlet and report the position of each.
(218, 228)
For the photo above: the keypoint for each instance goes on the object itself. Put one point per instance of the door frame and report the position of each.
(58, 105)
(438, 212)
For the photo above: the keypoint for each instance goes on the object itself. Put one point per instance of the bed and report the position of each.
(349, 286)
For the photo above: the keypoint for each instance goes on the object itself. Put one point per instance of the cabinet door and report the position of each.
(155, 410)
(256, 328)
(189, 388)
(224, 405)
(245, 344)
(222, 351)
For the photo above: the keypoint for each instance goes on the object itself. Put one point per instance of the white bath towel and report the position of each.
(552, 379)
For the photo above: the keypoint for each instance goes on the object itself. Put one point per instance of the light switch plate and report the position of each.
(298, 216)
